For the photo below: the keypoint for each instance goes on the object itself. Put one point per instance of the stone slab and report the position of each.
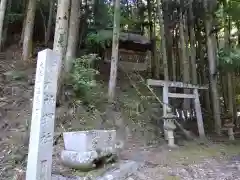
(83, 141)
(123, 171)
(79, 160)
(85, 160)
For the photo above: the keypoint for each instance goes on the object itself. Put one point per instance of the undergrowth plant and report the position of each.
(82, 79)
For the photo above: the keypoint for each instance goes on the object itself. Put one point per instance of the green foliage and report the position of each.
(82, 79)
(95, 40)
(238, 98)
(83, 74)
(233, 9)
(229, 59)
(102, 14)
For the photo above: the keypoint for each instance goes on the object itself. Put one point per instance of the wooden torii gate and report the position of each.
(195, 96)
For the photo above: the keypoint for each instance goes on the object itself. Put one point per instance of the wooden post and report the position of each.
(39, 164)
(165, 107)
(198, 114)
(165, 99)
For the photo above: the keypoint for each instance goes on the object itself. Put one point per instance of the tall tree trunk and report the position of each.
(168, 36)
(82, 30)
(184, 57)
(202, 67)
(155, 55)
(192, 45)
(231, 97)
(83, 23)
(141, 11)
(186, 38)
(60, 41)
(43, 20)
(234, 100)
(114, 59)
(49, 23)
(96, 4)
(128, 9)
(212, 69)
(163, 40)
(153, 62)
(3, 5)
(174, 56)
(24, 21)
(23, 30)
(5, 31)
(177, 55)
(205, 81)
(73, 33)
(224, 74)
(28, 31)
(223, 80)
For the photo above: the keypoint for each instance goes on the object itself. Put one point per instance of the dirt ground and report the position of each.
(191, 160)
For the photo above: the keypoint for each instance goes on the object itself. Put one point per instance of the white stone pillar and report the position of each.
(39, 163)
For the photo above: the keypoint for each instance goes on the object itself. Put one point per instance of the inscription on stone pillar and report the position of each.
(43, 113)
